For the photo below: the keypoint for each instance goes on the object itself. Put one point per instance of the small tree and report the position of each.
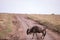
(52, 14)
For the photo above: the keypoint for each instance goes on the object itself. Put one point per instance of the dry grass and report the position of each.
(8, 26)
(52, 21)
(5, 25)
(8, 23)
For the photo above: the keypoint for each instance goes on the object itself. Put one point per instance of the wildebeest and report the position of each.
(35, 30)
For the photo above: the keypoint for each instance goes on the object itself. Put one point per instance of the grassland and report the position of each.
(8, 23)
(5, 25)
(52, 21)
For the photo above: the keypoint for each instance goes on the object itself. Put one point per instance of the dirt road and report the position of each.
(27, 23)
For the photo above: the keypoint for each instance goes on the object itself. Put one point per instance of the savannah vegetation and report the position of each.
(7, 25)
(52, 21)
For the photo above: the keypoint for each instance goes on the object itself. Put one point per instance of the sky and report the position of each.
(30, 6)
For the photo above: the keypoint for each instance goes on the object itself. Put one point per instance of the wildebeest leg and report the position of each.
(43, 34)
(36, 36)
(33, 36)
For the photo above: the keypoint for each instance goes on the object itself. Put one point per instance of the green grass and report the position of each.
(4, 33)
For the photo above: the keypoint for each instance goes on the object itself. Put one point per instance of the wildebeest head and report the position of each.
(28, 31)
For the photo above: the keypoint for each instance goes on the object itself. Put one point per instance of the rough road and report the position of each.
(27, 23)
